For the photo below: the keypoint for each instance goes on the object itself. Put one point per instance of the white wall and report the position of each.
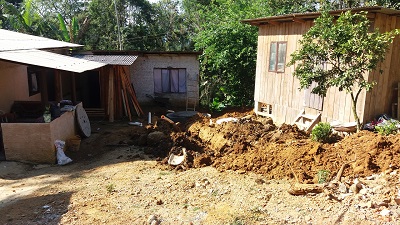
(142, 75)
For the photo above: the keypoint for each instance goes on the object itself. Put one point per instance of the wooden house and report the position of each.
(277, 92)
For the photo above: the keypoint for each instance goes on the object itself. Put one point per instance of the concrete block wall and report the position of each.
(143, 81)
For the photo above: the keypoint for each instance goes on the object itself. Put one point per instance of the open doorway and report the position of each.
(88, 89)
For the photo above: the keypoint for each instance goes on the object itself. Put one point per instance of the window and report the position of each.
(33, 81)
(277, 57)
(169, 80)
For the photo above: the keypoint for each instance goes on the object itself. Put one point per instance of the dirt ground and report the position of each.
(234, 173)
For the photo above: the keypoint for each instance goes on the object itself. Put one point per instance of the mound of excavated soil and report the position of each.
(253, 144)
(256, 144)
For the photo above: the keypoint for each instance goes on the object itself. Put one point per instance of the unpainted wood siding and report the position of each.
(383, 95)
(281, 90)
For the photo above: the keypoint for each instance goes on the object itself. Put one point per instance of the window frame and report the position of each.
(170, 83)
(278, 44)
(33, 80)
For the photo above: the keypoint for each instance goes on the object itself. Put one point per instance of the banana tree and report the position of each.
(71, 33)
(24, 18)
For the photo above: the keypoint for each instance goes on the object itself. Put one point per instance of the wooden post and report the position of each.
(58, 85)
(111, 95)
(44, 95)
(73, 87)
(398, 101)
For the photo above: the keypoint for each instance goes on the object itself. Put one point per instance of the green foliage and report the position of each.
(323, 176)
(321, 132)
(390, 127)
(348, 48)
(110, 188)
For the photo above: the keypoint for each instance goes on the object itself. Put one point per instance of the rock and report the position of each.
(342, 188)
(368, 204)
(343, 196)
(151, 219)
(155, 137)
(385, 212)
(354, 189)
(363, 191)
(155, 222)
(260, 181)
(397, 200)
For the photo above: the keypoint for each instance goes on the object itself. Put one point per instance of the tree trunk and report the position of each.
(354, 108)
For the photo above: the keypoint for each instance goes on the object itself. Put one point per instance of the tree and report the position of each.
(229, 47)
(23, 18)
(350, 50)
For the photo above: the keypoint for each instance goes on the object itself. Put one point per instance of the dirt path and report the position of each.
(118, 177)
(118, 190)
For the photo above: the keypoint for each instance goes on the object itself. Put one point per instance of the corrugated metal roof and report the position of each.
(10, 40)
(296, 17)
(123, 60)
(50, 60)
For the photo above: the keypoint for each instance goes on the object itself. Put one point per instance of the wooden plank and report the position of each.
(380, 88)
(58, 85)
(111, 96)
(43, 88)
(371, 96)
(73, 87)
(398, 100)
(387, 80)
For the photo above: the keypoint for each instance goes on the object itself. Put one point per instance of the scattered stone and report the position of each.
(368, 204)
(342, 188)
(151, 219)
(397, 200)
(363, 191)
(344, 195)
(159, 202)
(354, 189)
(260, 181)
(385, 212)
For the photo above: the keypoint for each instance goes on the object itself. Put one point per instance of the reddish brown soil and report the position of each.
(256, 144)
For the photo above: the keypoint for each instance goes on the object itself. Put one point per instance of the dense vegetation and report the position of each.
(210, 26)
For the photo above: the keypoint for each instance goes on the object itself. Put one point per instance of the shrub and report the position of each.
(323, 176)
(389, 127)
(321, 132)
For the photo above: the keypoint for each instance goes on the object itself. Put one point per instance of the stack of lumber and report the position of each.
(121, 95)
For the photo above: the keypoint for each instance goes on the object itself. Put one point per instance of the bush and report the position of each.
(321, 132)
(389, 127)
(323, 176)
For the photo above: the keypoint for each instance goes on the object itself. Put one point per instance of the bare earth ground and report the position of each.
(234, 173)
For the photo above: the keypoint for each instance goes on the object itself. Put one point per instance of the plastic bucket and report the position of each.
(74, 143)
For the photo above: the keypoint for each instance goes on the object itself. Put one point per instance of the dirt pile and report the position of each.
(255, 144)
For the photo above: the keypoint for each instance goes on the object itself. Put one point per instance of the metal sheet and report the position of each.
(10, 40)
(313, 15)
(50, 60)
(122, 60)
